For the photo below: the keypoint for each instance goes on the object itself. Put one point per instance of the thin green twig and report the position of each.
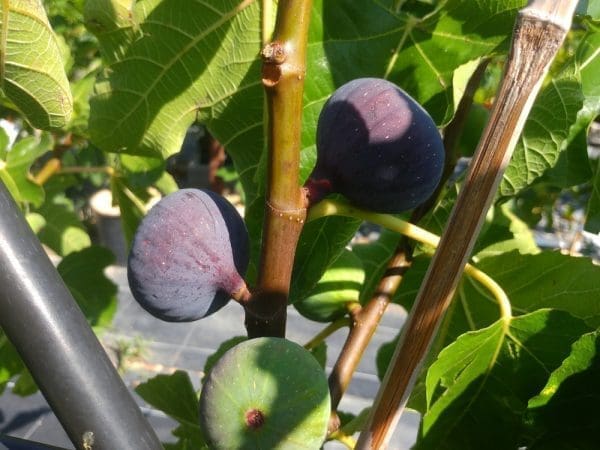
(336, 207)
(327, 331)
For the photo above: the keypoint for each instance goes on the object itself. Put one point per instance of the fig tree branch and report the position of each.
(283, 74)
(539, 32)
(363, 327)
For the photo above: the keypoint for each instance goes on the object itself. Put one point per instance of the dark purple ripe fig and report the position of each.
(188, 256)
(376, 146)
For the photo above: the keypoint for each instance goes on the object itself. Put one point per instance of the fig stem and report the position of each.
(331, 207)
(364, 323)
(50, 168)
(539, 31)
(283, 72)
(134, 200)
(327, 331)
(494, 288)
(267, 8)
(242, 295)
(83, 169)
(343, 438)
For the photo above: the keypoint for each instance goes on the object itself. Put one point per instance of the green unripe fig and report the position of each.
(265, 393)
(103, 16)
(338, 286)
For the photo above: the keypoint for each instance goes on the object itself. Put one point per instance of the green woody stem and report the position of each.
(285, 210)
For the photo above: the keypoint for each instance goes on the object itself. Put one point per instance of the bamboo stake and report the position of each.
(539, 32)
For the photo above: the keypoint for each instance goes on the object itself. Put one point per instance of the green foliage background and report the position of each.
(120, 82)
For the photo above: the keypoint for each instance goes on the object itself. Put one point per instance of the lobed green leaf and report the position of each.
(31, 65)
(83, 273)
(479, 387)
(175, 395)
(565, 414)
(15, 165)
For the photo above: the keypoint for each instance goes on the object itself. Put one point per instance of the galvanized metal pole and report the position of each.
(11, 443)
(42, 320)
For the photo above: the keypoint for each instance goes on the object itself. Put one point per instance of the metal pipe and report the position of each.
(44, 323)
(12, 443)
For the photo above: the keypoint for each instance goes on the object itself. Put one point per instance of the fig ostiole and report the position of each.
(265, 393)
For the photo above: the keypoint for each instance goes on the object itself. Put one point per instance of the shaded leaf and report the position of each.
(320, 353)
(565, 414)
(321, 243)
(174, 395)
(10, 362)
(545, 280)
(83, 273)
(25, 384)
(131, 206)
(82, 90)
(374, 257)
(352, 424)
(592, 223)
(478, 388)
(588, 59)
(339, 285)
(384, 356)
(63, 231)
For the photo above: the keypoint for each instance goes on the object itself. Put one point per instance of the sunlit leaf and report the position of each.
(14, 170)
(32, 72)
(545, 134)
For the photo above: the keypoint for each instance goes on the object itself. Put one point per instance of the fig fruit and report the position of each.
(340, 284)
(265, 393)
(188, 256)
(377, 147)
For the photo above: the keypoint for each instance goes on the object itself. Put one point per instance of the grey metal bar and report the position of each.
(12, 443)
(42, 320)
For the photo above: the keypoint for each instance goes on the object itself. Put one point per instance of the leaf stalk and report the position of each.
(335, 207)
